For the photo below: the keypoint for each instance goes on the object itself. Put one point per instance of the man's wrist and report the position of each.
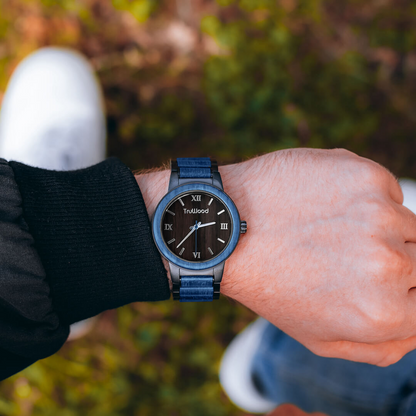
(236, 180)
(154, 185)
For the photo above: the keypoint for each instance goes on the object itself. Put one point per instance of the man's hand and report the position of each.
(330, 253)
(329, 256)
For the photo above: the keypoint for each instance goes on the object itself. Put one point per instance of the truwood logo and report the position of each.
(195, 211)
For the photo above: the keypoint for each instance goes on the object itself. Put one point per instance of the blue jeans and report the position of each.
(289, 373)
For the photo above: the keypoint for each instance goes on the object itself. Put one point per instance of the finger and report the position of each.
(395, 190)
(411, 297)
(410, 249)
(406, 223)
(408, 208)
(382, 355)
(388, 181)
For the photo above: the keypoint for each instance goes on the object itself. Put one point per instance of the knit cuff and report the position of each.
(93, 235)
(30, 328)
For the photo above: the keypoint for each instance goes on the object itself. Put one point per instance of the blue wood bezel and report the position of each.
(157, 233)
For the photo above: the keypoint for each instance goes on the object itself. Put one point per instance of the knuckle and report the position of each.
(381, 213)
(401, 262)
(320, 349)
(383, 318)
(397, 190)
(386, 320)
(385, 312)
(390, 263)
(344, 152)
(372, 173)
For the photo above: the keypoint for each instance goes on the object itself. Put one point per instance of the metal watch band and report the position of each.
(194, 169)
(197, 288)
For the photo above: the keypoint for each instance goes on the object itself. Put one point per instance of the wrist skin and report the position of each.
(236, 180)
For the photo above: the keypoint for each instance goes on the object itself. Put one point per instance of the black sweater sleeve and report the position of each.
(73, 245)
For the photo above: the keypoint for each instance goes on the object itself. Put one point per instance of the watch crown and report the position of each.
(243, 227)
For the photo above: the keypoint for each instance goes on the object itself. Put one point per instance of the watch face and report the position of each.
(196, 226)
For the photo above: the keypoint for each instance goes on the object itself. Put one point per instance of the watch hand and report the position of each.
(206, 225)
(187, 235)
(196, 235)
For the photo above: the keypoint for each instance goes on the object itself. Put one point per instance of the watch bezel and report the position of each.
(158, 215)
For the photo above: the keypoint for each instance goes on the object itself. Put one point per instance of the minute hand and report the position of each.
(206, 225)
(187, 235)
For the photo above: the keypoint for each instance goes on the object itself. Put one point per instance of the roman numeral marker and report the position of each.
(168, 227)
(221, 241)
(224, 226)
(197, 255)
(196, 198)
(219, 213)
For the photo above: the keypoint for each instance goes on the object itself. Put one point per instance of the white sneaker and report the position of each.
(409, 193)
(52, 114)
(52, 117)
(80, 329)
(235, 370)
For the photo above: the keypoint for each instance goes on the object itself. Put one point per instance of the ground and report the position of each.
(228, 79)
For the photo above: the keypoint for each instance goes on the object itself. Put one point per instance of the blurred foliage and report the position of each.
(309, 73)
(142, 359)
(229, 79)
(238, 77)
(140, 9)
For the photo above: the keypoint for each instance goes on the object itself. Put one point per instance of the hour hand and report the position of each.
(206, 225)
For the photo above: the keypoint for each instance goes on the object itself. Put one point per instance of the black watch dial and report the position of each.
(196, 226)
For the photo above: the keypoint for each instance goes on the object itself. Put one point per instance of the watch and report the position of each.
(196, 227)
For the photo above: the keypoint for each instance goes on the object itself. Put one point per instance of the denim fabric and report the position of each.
(289, 373)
